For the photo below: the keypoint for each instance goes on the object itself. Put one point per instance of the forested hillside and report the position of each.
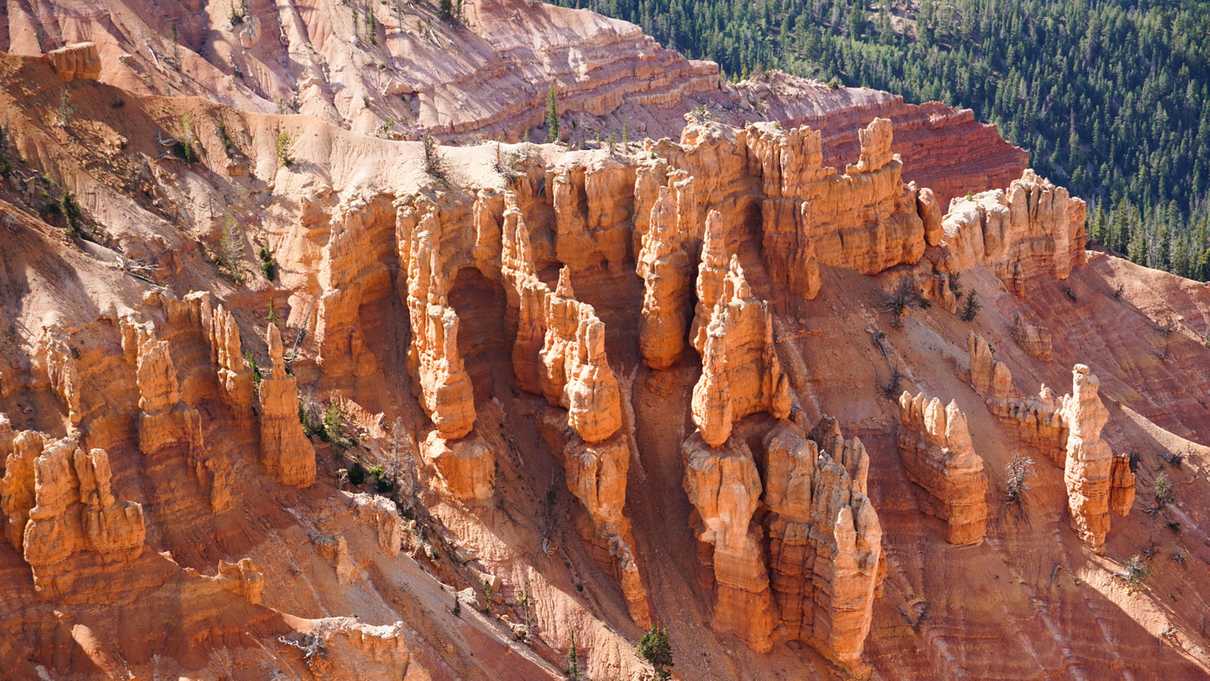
(1109, 97)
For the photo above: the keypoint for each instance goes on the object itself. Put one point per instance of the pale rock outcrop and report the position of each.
(663, 265)
(467, 466)
(350, 273)
(725, 488)
(74, 512)
(17, 485)
(286, 453)
(1034, 339)
(1067, 431)
(592, 204)
(825, 540)
(164, 421)
(1037, 420)
(77, 61)
(221, 332)
(929, 209)
(1089, 462)
(937, 454)
(990, 377)
(380, 515)
(54, 359)
(242, 578)
(1033, 229)
(711, 272)
(445, 387)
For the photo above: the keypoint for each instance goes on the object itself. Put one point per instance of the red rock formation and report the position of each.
(1033, 229)
(1067, 431)
(741, 373)
(825, 540)
(937, 454)
(865, 219)
(285, 450)
(78, 61)
(724, 487)
(663, 264)
(1089, 462)
(1121, 487)
(73, 511)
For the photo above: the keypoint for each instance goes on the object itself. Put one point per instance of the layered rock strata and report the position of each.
(463, 460)
(58, 504)
(1067, 431)
(741, 373)
(937, 454)
(1033, 229)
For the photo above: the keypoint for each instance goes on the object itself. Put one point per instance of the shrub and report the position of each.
(285, 149)
(268, 266)
(1017, 484)
(433, 165)
(311, 420)
(552, 114)
(955, 284)
(6, 166)
(1172, 458)
(906, 295)
(239, 13)
(573, 661)
(1071, 295)
(231, 252)
(382, 483)
(72, 216)
(656, 649)
(892, 390)
(1135, 573)
(1164, 494)
(357, 474)
(186, 147)
(66, 110)
(337, 428)
(257, 374)
(971, 309)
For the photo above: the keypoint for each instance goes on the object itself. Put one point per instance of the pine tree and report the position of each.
(573, 661)
(656, 649)
(552, 114)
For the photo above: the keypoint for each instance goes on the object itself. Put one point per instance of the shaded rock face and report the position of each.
(1033, 229)
(1067, 431)
(937, 453)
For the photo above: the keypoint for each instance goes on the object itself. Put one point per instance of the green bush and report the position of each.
(357, 474)
(971, 309)
(268, 265)
(656, 649)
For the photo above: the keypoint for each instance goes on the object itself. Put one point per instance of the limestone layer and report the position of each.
(937, 453)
